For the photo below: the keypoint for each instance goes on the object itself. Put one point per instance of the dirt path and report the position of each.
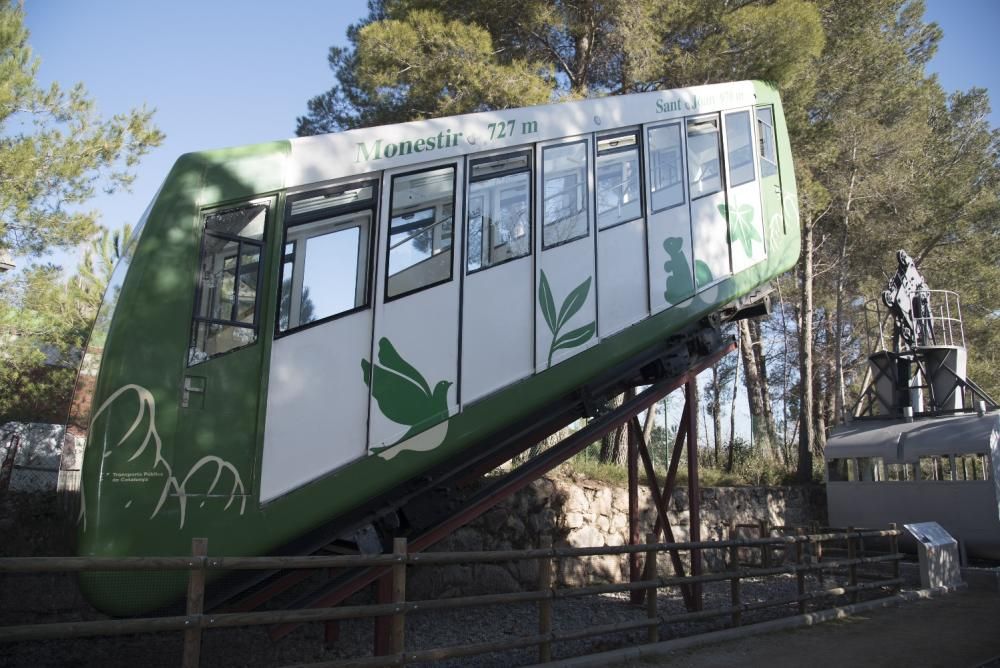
(961, 629)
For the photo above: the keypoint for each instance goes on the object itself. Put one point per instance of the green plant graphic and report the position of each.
(574, 302)
(402, 393)
(680, 284)
(741, 226)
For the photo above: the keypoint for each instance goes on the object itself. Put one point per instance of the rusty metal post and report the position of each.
(694, 491)
(397, 639)
(651, 574)
(633, 510)
(545, 604)
(735, 597)
(195, 603)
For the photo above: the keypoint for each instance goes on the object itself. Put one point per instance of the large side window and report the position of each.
(767, 147)
(564, 196)
(325, 261)
(227, 301)
(499, 210)
(420, 230)
(739, 148)
(665, 167)
(618, 181)
(704, 156)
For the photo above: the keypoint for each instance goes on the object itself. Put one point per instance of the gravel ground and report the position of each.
(47, 598)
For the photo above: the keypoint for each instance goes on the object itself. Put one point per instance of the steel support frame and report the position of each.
(545, 462)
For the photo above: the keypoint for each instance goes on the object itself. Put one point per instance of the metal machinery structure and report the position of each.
(449, 497)
(923, 445)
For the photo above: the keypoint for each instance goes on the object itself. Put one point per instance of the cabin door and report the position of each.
(710, 233)
(746, 228)
(317, 400)
(412, 370)
(498, 299)
(770, 177)
(217, 423)
(565, 293)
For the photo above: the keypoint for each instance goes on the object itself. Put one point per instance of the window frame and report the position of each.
(586, 196)
(682, 146)
(261, 246)
(720, 148)
(638, 146)
(470, 179)
(750, 136)
(321, 214)
(760, 137)
(386, 297)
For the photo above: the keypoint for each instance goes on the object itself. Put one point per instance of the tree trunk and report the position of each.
(751, 377)
(732, 420)
(804, 469)
(715, 407)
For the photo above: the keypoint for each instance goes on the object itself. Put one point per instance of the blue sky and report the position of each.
(227, 72)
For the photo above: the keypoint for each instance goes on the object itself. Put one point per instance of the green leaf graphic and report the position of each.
(576, 337)
(547, 303)
(574, 302)
(571, 306)
(741, 226)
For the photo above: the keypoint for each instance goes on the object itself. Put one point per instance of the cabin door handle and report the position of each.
(193, 385)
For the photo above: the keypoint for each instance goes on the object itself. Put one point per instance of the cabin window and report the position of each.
(618, 180)
(499, 210)
(420, 230)
(564, 193)
(704, 156)
(739, 148)
(898, 472)
(766, 142)
(229, 282)
(325, 262)
(971, 467)
(665, 167)
(870, 469)
(839, 470)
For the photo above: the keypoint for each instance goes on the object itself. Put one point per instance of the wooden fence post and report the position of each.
(545, 604)
(397, 640)
(894, 548)
(651, 574)
(765, 550)
(734, 583)
(800, 575)
(852, 570)
(195, 603)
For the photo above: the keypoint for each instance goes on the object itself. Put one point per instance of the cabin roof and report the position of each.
(896, 439)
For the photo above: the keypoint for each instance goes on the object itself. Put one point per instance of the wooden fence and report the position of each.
(805, 548)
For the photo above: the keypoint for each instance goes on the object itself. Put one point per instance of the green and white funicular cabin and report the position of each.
(305, 324)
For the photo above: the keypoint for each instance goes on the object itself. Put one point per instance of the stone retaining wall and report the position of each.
(588, 513)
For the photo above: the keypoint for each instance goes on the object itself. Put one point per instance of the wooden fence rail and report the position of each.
(806, 548)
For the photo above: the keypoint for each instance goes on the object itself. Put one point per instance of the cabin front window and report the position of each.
(767, 143)
(226, 302)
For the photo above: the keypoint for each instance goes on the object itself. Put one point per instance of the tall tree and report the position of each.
(56, 150)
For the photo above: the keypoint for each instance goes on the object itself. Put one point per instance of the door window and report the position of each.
(499, 211)
(564, 196)
(704, 156)
(420, 230)
(227, 300)
(325, 265)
